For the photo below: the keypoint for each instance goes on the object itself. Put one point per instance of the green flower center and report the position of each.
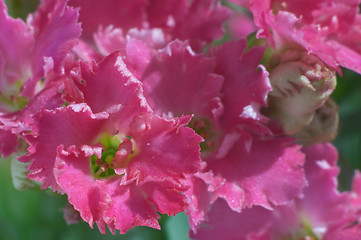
(117, 154)
(10, 100)
(204, 128)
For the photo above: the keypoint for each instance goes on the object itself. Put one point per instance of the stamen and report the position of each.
(102, 169)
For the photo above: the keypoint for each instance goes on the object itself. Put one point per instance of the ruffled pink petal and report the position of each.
(109, 86)
(178, 82)
(251, 224)
(198, 198)
(246, 84)
(72, 173)
(52, 128)
(200, 24)
(16, 42)
(166, 13)
(328, 29)
(131, 207)
(256, 171)
(121, 14)
(167, 197)
(109, 39)
(240, 25)
(12, 125)
(167, 149)
(55, 31)
(322, 210)
(321, 195)
(356, 190)
(8, 141)
(350, 230)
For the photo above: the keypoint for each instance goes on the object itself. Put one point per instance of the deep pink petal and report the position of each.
(199, 200)
(55, 31)
(256, 171)
(16, 42)
(246, 84)
(167, 149)
(109, 86)
(130, 208)
(122, 14)
(322, 195)
(52, 128)
(72, 173)
(178, 82)
(224, 223)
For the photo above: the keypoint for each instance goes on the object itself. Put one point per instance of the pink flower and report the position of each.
(118, 163)
(328, 29)
(225, 93)
(322, 213)
(199, 22)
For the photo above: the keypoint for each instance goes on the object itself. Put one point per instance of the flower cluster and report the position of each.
(137, 107)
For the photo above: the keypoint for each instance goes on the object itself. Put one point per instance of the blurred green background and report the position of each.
(29, 214)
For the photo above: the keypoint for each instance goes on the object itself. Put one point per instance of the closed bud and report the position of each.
(301, 84)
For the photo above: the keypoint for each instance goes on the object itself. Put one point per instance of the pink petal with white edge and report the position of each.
(52, 128)
(264, 172)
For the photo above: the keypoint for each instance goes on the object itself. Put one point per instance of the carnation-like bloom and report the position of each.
(329, 29)
(323, 212)
(118, 163)
(224, 92)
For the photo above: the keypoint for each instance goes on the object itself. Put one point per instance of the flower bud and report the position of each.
(301, 84)
(323, 127)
